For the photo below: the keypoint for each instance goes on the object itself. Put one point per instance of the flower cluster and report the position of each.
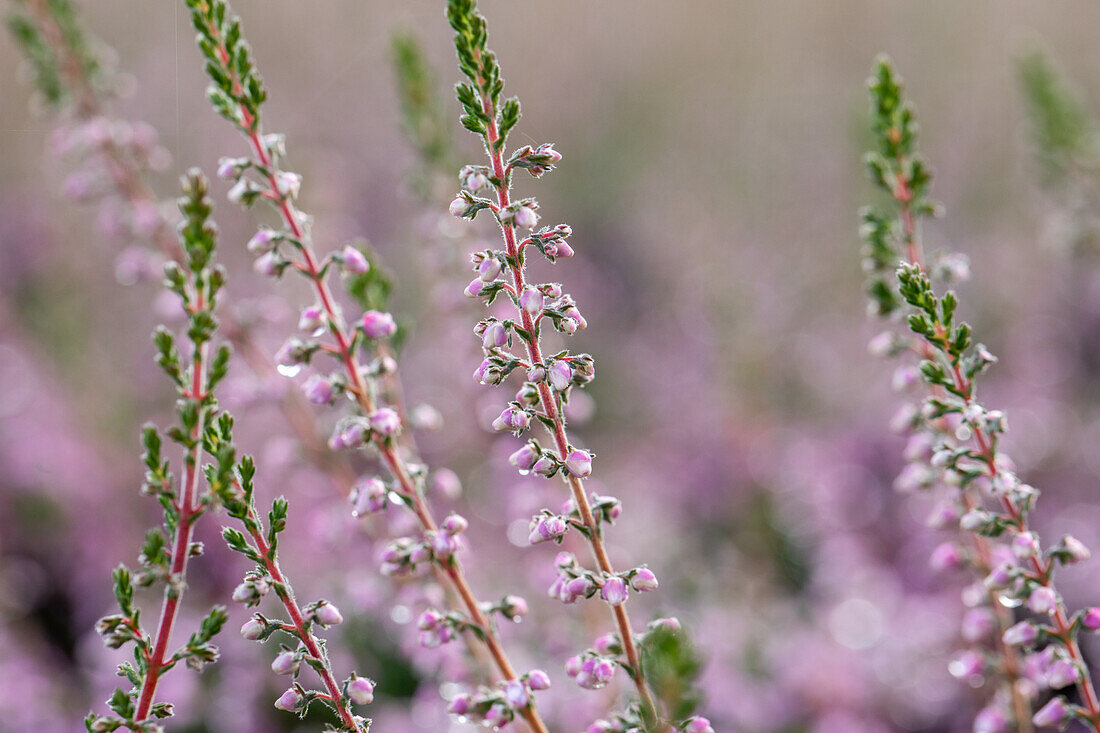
(954, 444)
(516, 343)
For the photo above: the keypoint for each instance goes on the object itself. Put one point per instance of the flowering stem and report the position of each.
(1010, 663)
(550, 408)
(131, 186)
(950, 366)
(396, 465)
(336, 697)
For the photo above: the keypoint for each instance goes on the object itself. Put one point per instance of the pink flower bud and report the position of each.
(608, 645)
(1090, 619)
(495, 336)
(460, 704)
(513, 607)
(698, 724)
(474, 289)
(455, 524)
(967, 665)
(488, 269)
(1062, 673)
(252, 629)
(312, 318)
(1075, 549)
(361, 690)
(385, 422)
(644, 580)
(457, 207)
(512, 418)
(288, 184)
(531, 300)
(613, 590)
(525, 457)
(498, 715)
(377, 324)
(318, 390)
(573, 666)
(289, 700)
(1052, 714)
(444, 545)
(1042, 600)
(368, 497)
(1025, 545)
(978, 624)
(538, 680)
(285, 663)
(526, 217)
(945, 557)
(266, 264)
(327, 614)
(579, 463)
(543, 466)
(1021, 634)
(545, 528)
(561, 375)
(355, 261)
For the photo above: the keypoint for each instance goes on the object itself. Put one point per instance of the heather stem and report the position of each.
(549, 405)
(1010, 666)
(132, 187)
(339, 701)
(189, 510)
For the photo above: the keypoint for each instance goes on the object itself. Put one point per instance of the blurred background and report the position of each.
(711, 175)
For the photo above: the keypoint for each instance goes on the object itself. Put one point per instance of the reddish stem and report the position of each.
(189, 510)
(1042, 573)
(286, 595)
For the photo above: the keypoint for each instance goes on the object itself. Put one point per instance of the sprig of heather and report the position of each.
(111, 156)
(549, 379)
(115, 157)
(233, 483)
(237, 93)
(958, 437)
(167, 549)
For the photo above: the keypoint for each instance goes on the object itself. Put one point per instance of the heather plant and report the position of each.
(112, 160)
(548, 379)
(237, 93)
(211, 476)
(167, 550)
(954, 449)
